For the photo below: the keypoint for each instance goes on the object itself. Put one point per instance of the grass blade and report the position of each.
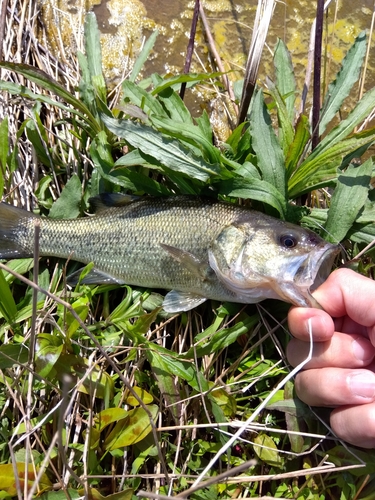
(143, 56)
(42, 79)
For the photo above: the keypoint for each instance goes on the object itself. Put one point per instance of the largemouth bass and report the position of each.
(197, 248)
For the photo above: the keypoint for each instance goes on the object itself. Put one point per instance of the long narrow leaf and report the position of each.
(345, 79)
(189, 133)
(143, 56)
(348, 200)
(266, 145)
(285, 80)
(255, 189)
(286, 129)
(45, 81)
(8, 306)
(4, 151)
(345, 128)
(169, 152)
(143, 99)
(297, 147)
(317, 170)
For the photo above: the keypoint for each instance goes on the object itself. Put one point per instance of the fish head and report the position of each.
(268, 258)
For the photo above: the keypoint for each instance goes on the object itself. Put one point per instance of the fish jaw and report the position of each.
(305, 275)
(291, 281)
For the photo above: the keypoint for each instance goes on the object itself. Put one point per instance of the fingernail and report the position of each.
(361, 348)
(362, 384)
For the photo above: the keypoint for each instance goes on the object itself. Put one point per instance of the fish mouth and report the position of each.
(312, 273)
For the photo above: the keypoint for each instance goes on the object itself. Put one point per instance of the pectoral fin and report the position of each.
(94, 277)
(200, 269)
(181, 301)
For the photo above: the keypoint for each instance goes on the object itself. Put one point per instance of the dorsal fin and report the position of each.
(104, 201)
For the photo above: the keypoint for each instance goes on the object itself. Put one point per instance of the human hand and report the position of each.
(341, 373)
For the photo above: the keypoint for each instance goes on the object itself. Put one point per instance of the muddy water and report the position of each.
(125, 23)
(231, 22)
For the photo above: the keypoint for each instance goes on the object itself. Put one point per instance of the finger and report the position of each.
(301, 320)
(346, 293)
(355, 424)
(336, 386)
(341, 351)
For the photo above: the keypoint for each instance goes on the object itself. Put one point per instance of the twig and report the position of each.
(3, 13)
(317, 73)
(215, 53)
(361, 90)
(310, 59)
(190, 47)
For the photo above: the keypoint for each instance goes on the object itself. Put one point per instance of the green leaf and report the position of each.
(13, 354)
(175, 106)
(345, 127)
(68, 205)
(255, 189)
(94, 54)
(48, 83)
(135, 427)
(319, 171)
(69, 322)
(189, 133)
(267, 451)
(21, 266)
(166, 381)
(348, 200)
(143, 56)
(143, 99)
(169, 152)
(4, 151)
(34, 135)
(167, 363)
(60, 495)
(347, 76)
(286, 130)
(285, 80)
(215, 342)
(175, 81)
(8, 306)
(266, 145)
(49, 349)
(297, 147)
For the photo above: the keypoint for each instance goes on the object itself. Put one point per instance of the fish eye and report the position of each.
(288, 240)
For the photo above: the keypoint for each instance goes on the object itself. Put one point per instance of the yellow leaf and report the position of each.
(8, 480)
(132, 429)
(267, 451)
(144, 395)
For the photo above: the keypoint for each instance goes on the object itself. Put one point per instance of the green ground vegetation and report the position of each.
(101, 393)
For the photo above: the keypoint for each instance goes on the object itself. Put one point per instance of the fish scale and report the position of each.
(193, 246)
